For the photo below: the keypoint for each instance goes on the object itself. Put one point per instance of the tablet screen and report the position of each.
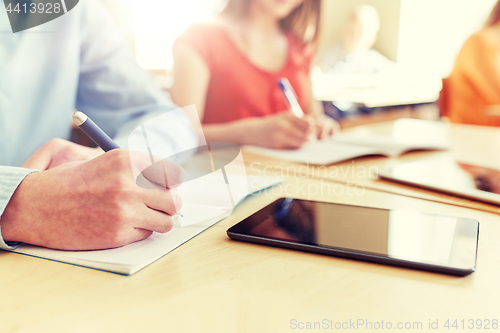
(405, 235)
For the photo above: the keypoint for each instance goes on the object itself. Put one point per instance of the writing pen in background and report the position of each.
(96, 134)
(291, 97)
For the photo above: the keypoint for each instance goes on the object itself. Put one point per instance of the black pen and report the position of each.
(96, 134)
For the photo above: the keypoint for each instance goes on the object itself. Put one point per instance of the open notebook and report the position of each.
(206, 202)
(345, 147)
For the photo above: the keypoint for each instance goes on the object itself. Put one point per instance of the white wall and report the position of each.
(159, 22)
(431, 32)
(424, 36)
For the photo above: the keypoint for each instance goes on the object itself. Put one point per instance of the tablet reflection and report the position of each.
(484, 179)
(293, 220)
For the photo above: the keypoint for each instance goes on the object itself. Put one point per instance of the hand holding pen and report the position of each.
(282, 130)
(295, 107)
(323, 125)
(156, 172)
(92, 204)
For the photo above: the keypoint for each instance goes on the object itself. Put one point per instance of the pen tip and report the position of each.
(284, 83)
(79, 117)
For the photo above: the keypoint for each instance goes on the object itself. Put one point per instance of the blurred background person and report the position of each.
(355, 53)
(353, 63)
(229, 68)
(473, 87)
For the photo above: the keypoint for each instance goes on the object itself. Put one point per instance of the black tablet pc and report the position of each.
(436, 243)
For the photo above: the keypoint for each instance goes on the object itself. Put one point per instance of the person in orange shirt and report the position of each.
(229, 68)
(473, 87)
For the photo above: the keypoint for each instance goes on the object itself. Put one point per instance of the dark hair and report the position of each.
(494, 16)
(303, 21)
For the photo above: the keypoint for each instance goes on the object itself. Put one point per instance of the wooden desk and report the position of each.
(213, 284)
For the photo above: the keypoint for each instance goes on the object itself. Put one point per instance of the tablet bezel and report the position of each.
(240, 230)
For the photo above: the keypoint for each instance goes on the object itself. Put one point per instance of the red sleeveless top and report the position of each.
(239, 89)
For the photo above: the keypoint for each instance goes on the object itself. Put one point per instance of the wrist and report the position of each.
(13, 215)
(240, 132)
(245, 131)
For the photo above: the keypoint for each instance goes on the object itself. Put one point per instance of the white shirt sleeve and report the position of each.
(10, 178)
(118, 95)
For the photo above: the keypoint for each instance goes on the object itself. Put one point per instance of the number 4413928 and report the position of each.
(46, 8)
(476, 324)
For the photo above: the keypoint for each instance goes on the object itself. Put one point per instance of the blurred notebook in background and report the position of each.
(401, 136)
(347, 146)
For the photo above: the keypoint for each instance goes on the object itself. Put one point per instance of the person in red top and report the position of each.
(229, 68)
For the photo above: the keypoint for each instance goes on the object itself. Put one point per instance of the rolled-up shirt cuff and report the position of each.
(10, 178)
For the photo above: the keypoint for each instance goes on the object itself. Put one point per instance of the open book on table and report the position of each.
(206, 202)
(346, 146)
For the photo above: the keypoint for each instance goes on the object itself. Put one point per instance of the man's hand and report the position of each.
(91, 205)
(57, 152)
